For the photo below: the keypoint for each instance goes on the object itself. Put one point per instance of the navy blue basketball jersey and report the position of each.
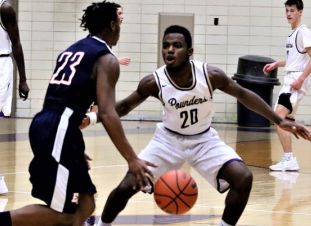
(72, 84)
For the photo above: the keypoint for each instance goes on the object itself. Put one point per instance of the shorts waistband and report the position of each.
(4, 55)
(187, 134)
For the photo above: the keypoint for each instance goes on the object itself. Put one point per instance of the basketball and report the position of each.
(175, 192)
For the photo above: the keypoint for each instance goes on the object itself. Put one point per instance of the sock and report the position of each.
(3, 203)
(101, 223)
(5, 218)
(222, 223)
(288, 155)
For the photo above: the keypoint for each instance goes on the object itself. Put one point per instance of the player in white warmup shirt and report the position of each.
(10, 43)
(185, 87)
(297, 79)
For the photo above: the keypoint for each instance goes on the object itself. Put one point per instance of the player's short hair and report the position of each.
(180, 30)
(98, 16)
(298, 3)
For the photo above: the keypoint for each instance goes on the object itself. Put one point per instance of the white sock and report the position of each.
(222, 223)
(3, 203)
(288, 155)
(100, 223)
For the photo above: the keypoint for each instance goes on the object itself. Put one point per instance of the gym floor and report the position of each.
(277, 198)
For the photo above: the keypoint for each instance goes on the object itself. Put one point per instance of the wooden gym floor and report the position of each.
(277, 199)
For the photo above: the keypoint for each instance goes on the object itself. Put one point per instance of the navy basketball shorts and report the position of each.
(58, 168)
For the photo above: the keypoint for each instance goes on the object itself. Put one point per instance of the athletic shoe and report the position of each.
(286, 165)
(3, 116)
(3, 187)
(90, 221)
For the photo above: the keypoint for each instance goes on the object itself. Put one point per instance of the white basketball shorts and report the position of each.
(206, 153)
(6, 85)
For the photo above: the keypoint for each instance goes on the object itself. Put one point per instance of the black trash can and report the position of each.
(250, 75)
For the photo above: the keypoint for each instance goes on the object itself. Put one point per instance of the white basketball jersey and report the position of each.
(297, 42)
(187, 111)
(5, 42)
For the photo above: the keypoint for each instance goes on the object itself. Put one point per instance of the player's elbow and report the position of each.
(122, 109)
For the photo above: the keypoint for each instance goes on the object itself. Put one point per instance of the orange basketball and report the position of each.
(175, 192)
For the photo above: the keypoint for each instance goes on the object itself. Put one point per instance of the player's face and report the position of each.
(120, 14)
(175, 51)
(293, 15)
(116, 31)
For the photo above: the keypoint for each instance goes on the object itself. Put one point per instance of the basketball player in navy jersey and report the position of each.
(185, 88)
(85, 72)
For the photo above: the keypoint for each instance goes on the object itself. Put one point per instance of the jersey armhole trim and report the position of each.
(209, 85)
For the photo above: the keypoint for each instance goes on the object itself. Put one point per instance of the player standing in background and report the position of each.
(10, 43)
(297, 79)
(122, 60)
(85, 72)
(185, 88)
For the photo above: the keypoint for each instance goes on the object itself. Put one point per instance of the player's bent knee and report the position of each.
(245, 182)
(126, 188)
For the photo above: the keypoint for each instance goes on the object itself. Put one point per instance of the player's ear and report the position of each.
(113, 25)
(190, 52)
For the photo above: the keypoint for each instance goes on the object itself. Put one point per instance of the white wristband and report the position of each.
(93, 117)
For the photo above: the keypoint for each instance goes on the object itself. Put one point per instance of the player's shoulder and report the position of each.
(148, 79)
(6, 9)
(304, 28)
(214, 70)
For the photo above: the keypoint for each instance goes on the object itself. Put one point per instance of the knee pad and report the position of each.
(284, 100)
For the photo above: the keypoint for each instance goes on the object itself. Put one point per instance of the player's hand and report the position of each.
(23, 90)
(297, 129)
(124, 60)
(269, 67)
(85, 122)
(139, 168)
(297, 84)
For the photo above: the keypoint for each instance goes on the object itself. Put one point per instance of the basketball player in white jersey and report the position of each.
(185, 87)
(10, 43)
(296, 80)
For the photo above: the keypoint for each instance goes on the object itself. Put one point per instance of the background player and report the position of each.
(297, 79)
(10, 43)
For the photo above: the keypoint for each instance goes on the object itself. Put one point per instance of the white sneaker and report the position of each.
(3, 187)
(286, 165)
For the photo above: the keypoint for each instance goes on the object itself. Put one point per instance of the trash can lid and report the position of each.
(263, 80)
(253, 65)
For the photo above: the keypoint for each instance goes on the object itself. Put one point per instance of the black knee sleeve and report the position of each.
(284, 100)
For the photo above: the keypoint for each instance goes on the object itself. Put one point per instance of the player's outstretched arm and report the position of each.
(252, 101)
(146, 87)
